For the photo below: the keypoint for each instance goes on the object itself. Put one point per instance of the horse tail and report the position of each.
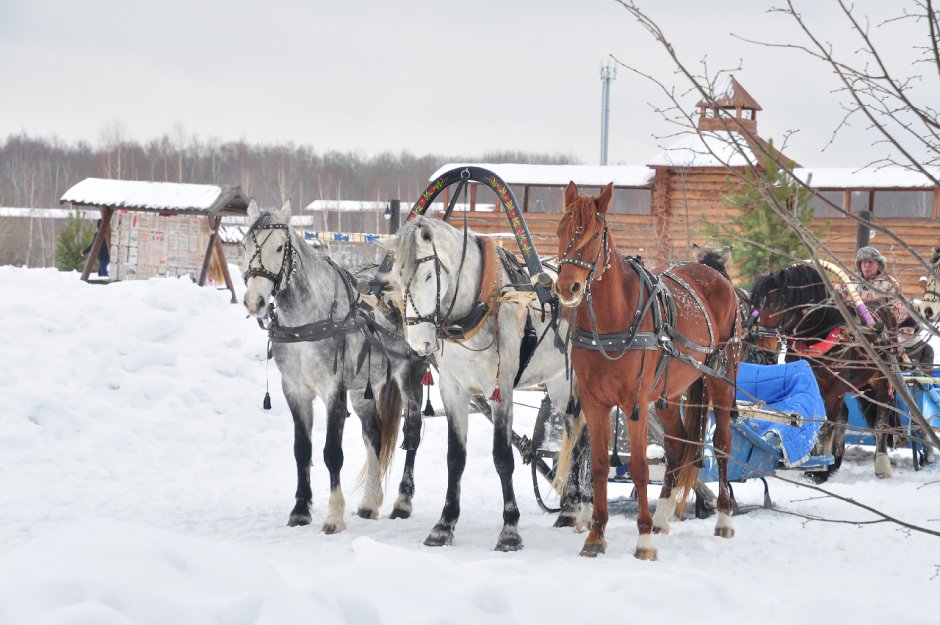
(696, 421)
(566, 453)
(389, 408)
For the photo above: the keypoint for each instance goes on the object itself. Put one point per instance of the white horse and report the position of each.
(482, 326)
(324, 345)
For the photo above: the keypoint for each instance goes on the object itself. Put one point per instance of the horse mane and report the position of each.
(803, 297)
(406, 254)
(584, 215)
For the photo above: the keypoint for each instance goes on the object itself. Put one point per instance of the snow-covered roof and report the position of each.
(888, 177)
(163, 196)
(718, 148)
(560, 175)
(45, 213)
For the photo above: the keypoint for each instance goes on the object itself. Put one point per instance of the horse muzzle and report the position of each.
(570, 295)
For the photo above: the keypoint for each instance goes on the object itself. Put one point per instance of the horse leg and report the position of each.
(410, 383)
(578, 493)
(336, 414)
(509, 538)
(456, 405)
(721, 397)
(371, 473)
(831, 438)
(882, 432)
(674, 433)
(640, 474)
(598, 421)
(301, 409)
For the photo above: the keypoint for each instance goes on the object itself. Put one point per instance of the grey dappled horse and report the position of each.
(487, 338)
(325, 345)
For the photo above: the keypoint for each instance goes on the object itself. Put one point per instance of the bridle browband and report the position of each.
(288, 266)
(593, 274)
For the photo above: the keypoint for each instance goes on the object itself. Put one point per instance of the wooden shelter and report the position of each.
(160, 200)
(658, 210)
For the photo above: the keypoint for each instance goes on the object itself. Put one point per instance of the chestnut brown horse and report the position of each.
(640, 337)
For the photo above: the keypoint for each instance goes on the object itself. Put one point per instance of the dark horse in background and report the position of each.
(644, 336)
(760, 345)
(796, 302)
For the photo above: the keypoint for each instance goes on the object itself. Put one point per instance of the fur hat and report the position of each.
(869, 253)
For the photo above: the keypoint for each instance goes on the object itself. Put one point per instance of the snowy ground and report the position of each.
(141, 482)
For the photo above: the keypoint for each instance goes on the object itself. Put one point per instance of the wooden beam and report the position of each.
(220, 255)
(103, 232)
(214, 223)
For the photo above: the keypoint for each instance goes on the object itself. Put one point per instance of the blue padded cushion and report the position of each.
(789, 387)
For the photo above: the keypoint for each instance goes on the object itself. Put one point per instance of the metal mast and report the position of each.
(608, 73)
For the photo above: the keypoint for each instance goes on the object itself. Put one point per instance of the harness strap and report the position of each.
(486, 301)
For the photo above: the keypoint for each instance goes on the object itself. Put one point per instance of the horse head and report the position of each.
(716, 259)
(765, 301)
(929, 305)
(583, 243)
(267, 256)
(425, 261)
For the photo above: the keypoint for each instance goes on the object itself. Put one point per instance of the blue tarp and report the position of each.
(927, 397)
(789, 387)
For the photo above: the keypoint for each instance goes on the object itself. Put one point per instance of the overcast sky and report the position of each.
(427, 76)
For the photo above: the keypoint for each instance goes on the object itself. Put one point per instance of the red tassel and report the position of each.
(496, 396)
(428, 379)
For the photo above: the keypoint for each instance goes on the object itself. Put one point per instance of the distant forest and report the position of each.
(35, 172)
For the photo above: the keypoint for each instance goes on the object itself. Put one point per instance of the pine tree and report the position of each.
(75, 236)
(759, 238)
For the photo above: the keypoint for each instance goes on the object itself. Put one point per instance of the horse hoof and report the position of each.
(333, 528)
(509, 542)
(661, 530)
(564, 521)
(365, 513)
(645, 554)
(817, 477)
(724, 532)
(883, 466)
(400, 513)
(592, 550)
(299, 519)
(439, 538)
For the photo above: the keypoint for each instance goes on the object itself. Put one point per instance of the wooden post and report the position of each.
(220, 254)
(103, 232)
(214, 222)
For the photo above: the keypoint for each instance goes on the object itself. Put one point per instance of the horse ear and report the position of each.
(253, 211)
(571, 193)
(283, 215)
(697, 252)
(603, 200)
(425, 233)
(726, 256)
